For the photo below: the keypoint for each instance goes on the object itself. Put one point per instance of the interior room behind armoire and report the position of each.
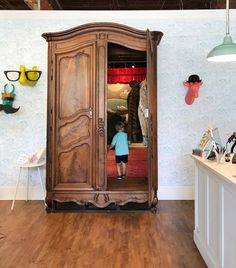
(126, 102)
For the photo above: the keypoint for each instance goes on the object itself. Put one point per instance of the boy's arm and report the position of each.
(109, 147)
(112, 145)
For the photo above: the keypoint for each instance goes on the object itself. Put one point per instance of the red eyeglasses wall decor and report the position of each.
(193, 84)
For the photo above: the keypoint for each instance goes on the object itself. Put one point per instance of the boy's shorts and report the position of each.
(121, 158)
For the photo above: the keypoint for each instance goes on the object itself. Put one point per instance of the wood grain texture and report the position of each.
(127, 184)
(32, 238)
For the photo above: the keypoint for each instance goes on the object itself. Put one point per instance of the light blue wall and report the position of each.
(188, 37)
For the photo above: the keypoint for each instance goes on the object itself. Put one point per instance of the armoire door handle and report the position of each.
(100, 127)
(90, 112)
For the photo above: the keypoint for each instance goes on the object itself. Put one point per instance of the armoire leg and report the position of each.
(49, 205)
(153, 207)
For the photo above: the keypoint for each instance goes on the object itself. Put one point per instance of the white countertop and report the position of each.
(226, 171)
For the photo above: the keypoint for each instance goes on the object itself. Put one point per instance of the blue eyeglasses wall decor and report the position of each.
(7, 100)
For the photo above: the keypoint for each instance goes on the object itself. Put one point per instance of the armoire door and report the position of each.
(152, 42)
(72, 103)
(74, 145)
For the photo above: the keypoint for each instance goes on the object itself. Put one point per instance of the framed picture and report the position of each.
(207, 136)
(209, 142)
(39, 156)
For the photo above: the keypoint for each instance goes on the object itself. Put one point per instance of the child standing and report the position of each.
(120, 142)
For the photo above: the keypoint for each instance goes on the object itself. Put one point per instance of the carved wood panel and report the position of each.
(74, 82)
(74, 95)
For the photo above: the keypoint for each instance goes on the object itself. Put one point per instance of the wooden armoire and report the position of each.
(76, 117)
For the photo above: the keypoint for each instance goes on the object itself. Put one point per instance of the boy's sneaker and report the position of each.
(123, 176)
(119, 177)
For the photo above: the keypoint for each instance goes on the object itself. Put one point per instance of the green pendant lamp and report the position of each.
(226, 52)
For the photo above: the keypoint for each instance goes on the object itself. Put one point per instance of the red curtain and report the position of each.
(125, 75)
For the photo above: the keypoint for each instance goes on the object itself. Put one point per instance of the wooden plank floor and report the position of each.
(29, 237)
(128, 184)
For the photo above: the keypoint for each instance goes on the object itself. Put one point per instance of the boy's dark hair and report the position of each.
(119, 126)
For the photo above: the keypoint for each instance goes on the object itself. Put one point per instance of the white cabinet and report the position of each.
(215, 212)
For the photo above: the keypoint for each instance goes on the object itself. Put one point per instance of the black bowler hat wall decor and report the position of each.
(193, 84)
(7, 100)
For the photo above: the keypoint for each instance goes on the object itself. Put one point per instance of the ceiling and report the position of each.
(113, 4)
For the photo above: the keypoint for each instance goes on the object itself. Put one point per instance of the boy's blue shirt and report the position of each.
(120, 141)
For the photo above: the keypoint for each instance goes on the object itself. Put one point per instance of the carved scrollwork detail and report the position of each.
(99, 188)
(100, 128)
(102, 36)
(101, 199)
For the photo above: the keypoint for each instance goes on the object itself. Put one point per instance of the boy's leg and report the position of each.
(123, 169)
(118, 169)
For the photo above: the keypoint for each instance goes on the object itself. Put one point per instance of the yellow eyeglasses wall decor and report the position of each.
(29, 77)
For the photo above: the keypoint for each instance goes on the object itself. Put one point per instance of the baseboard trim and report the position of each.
(175, 193)
(35, 193)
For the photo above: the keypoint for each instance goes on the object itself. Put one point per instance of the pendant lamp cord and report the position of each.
(227, 17)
